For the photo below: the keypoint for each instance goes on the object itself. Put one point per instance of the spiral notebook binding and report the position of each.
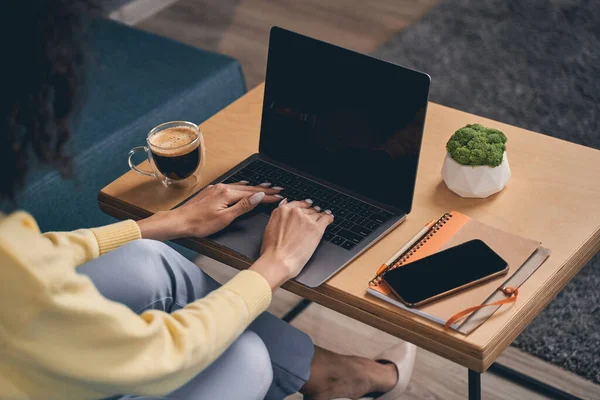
(402, 258)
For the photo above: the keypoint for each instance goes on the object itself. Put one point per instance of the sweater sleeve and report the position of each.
(77, 247)
(64, 329)
(87, 244)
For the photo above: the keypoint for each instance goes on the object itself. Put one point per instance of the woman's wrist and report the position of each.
(164, 225)
(273, 269)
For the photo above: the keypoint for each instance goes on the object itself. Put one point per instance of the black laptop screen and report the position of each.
(347, 118)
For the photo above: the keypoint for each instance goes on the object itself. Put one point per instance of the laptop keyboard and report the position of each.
(354, 219)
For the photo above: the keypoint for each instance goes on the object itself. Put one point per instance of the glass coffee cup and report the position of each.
(175, 152)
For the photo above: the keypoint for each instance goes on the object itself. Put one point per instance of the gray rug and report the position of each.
(533, 64)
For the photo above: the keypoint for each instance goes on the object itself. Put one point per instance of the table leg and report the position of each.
(296, 310)
(474, 385)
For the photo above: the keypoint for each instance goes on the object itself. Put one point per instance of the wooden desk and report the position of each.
(553, 196)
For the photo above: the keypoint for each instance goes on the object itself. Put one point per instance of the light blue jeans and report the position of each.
(271, 359)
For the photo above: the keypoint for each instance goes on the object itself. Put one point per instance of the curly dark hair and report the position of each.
(43, 48)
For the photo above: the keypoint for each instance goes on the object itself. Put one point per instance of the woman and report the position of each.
(111, 312)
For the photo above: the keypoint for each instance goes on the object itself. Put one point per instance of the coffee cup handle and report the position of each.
(133, 167)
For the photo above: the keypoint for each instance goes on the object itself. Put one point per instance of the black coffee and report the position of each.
(176, 152)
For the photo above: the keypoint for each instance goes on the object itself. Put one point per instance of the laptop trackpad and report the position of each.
(244, 235)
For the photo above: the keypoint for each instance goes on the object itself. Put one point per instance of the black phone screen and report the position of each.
(441, 272)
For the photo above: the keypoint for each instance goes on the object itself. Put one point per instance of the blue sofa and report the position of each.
(135, 80)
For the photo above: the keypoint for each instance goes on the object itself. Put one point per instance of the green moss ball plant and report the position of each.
(476, 164)
(476, 145)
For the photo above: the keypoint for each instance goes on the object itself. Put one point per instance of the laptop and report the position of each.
(343, 129)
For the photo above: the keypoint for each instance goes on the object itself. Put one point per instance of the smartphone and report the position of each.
(444, 273)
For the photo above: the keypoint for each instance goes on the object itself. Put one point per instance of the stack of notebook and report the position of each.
(523, 256)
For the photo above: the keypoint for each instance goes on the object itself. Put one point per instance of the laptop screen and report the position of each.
(348, 118)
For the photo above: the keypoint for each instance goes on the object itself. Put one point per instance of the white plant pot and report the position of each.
(475, 182)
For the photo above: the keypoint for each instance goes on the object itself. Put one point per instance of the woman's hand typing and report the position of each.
(290, 239)
(211, 210)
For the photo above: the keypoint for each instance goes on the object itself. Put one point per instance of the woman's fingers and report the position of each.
(306, 207)
(272, 198)
(232, 196)
(310, 211)
(234, 192)
(245, 205)
(326, 215)
(317, 212)
(301, 204)
(325, 219)
(245, 187)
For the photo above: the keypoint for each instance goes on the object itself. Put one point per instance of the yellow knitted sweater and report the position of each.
(61, 339)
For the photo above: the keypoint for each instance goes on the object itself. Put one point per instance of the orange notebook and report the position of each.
(451, 230)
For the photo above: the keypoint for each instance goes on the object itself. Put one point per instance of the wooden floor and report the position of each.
(240, 28)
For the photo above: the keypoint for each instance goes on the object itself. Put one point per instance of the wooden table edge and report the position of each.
(476, 358)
